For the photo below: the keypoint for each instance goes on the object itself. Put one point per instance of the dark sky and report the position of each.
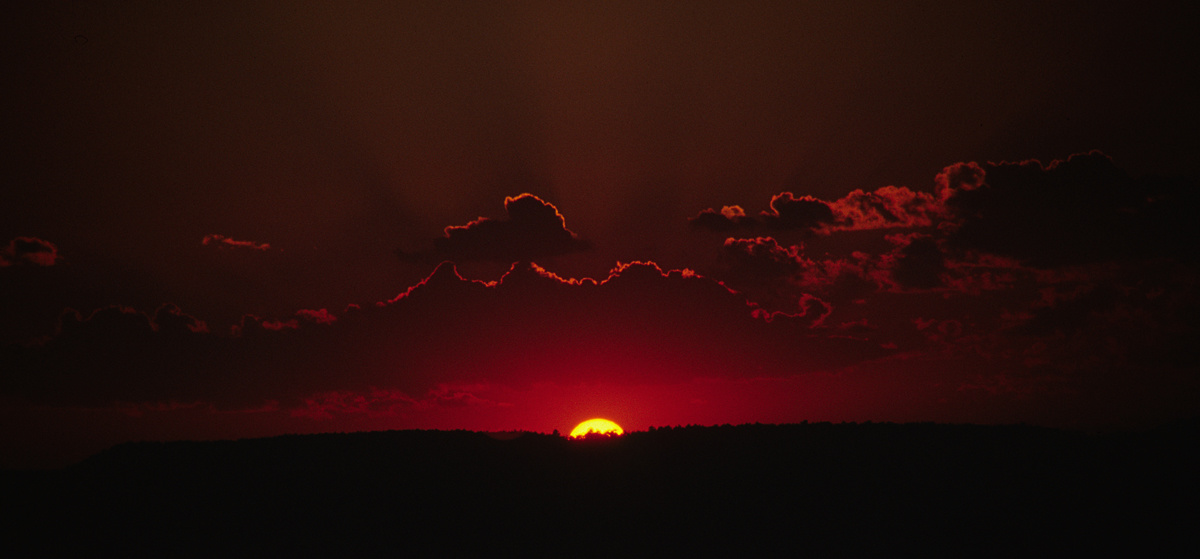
(226, 219)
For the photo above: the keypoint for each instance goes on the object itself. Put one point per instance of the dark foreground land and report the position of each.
(751, 490)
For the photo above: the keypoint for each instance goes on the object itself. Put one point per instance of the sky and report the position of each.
(235, 219)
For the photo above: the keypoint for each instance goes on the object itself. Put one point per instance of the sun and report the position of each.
(597, 425)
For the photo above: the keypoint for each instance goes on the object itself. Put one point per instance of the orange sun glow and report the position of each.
(597, 425)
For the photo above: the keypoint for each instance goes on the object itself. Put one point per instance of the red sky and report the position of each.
(230, 219)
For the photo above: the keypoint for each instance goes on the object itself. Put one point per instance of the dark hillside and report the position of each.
(812, 488)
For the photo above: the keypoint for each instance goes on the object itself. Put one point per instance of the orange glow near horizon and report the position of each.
(596, 425)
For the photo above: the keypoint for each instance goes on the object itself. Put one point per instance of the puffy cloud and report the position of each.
(728, 219)
(885, 207)
(787, 212)
(29, 251)
(958, 177)
(534, 229)
(319, 316)
(790, 212)
(226, 242)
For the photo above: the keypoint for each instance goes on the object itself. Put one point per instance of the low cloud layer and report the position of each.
(640, 324)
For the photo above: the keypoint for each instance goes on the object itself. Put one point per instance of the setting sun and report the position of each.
(597, 425)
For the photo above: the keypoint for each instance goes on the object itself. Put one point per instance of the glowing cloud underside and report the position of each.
(597, 425)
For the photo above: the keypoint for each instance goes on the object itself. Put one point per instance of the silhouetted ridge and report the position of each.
(815, 488)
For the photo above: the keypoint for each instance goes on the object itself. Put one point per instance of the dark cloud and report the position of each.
(982, 272)
(778, 277)
(762, 258)
(28, 251)
(790, 212)
(783, 280)
(958, 177)
(1042, 269)
(534, 229)
(639, 324)
(766, 273)
(919, 263)
(115, 354)
(728, 219)
(249, 323)
(327, 405)
(769, 272)
(1078, 210)
(226, 242)
(1075, 211)
(170, 320)
(787, 212)
(885, 207)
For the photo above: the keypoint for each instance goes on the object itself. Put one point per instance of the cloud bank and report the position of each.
(640, 324)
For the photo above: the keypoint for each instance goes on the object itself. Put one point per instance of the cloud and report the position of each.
(250, 323)
(222, 241)
(787, 212)
(639, 324)
(29, 251)
(1069, 212)
(319, 316)
(1075, 211)
(533, 229)
(977, 273)
(374, 403)
(958, 177)
(1002, 251)
(728, 219)
(767, 274)
(885, 207)
(385, 403)
(917, 262)
(169, 319)
(763, 257)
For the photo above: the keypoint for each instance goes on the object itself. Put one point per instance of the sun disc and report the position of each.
(597, 425)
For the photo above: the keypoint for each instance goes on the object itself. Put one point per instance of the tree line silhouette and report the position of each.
(816, 489)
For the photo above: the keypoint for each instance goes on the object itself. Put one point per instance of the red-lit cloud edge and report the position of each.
(1023, 283)
(221, 241)
(28, 251)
